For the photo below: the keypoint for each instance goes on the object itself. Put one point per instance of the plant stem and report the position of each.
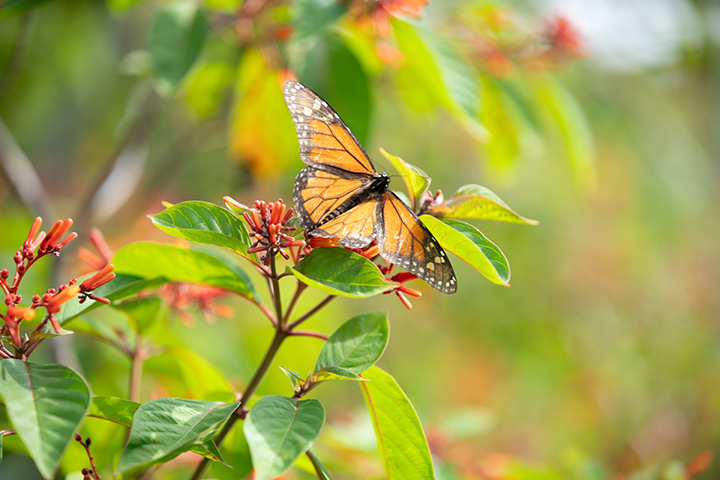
(240, 412)
(308, 333)
(300, 288)
(310, 313)
(276, 288)
(136, 370)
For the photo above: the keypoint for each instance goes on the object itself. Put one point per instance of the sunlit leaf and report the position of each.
(205, 223)
(416, 181)
(296, 380)
(326, 374)
(206, 87)
(175, 264)
(279, 430)
(468, 243)
(174, 40)
(476, 201)
(142, 312)
(338, 271)
(573, 126)
(46, 405)
(199, 376)
(401, 441)
(166, 427)
(357, 344)
(114, 409)
(262, 135)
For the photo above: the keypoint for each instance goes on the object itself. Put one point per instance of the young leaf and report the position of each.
(333, 373)
(203, 222)
(114, 409)
(468, 243)
(175, 264)
(209, 450)
(166, 427)
(46, 405)
(476, 201)
(357, 344)
(142, 312)
(295, 379)
(279, 430)
(401, 441)
(319, 468)
(338, 271)
(416, 181)
(175, 39)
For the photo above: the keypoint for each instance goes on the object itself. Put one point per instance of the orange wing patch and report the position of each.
(355, 228)
(322, 192)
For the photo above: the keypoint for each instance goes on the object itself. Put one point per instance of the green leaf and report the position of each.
(46, 332)
(142, 312)
(279, 430)
(401, 441)
(338, 271)
(436, 72)
(122, 286)
(205, 223)
(315, 17)
(175, 264)
(468, 243)
(319, 468)
(574, 129)
(476, 201)
(114, 409)
(207, 87)
(46, 405)
(17, 7)
(416, 181)
(296, 380)
(333, 373)
(175, 39)
(357, 344)
(209, 450)
(166, 427)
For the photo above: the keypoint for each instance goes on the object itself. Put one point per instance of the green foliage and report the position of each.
(164, 428)
(175, 264)
(205, 223)
(46, 404)
(357, 344)
(416, 181)
(468, 243)
(279, 430)
(114, 409)
(337, 271)
(401, 441)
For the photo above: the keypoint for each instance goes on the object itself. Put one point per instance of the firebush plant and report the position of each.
(47, 403)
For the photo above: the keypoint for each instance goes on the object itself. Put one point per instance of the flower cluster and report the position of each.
(39, 244)
(269, 224)
(501, 41)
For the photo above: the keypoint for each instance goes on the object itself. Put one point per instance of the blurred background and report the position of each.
(597, 118)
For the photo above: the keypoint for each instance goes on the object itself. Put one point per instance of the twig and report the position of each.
(311, 312)
(308, 333)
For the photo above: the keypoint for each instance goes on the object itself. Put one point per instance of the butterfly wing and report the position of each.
(331, 204)
(405, 241)
(325, 140)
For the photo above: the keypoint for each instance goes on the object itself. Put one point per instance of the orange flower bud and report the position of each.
(64, 295)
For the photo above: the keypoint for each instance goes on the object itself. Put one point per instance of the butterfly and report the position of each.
(340, 194)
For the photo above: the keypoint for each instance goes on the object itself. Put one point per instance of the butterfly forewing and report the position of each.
(355, 228)
(324, 138)
(405, 241)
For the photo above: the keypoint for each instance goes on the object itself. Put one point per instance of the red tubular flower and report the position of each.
(64, 295)
(564, 38)
(21, 312)
(50, 243)
(268, 222)
(33, 231)
(100, 278)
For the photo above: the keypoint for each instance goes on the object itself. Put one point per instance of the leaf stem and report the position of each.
(300, 289)
(308, 333)
(310, 313)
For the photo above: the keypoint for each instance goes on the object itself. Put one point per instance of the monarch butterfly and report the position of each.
(339, 194)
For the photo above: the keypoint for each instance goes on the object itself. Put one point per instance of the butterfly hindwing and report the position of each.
(324, 138)
(405, 241)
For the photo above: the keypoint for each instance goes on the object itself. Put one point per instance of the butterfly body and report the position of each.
(339, 194)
